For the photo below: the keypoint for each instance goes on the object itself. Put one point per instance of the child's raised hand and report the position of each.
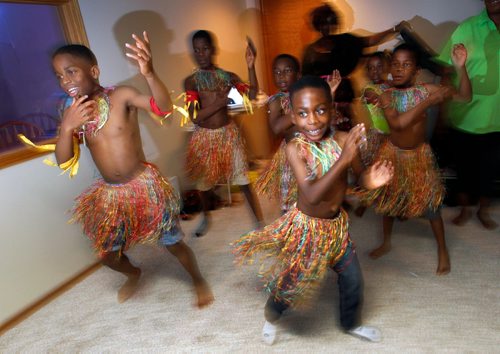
(459, 55)
(334, 81)
(250, 56)
(378, 174)
(80, 111)
(355, 139)
(141, 53)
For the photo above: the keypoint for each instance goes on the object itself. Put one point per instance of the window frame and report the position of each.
(74, 32)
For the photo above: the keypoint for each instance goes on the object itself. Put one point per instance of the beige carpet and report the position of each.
(417, 311)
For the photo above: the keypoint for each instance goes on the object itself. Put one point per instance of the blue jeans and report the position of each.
(350, 282)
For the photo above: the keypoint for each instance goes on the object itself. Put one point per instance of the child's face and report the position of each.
(403, 68)
(77, 77)
(375, 70)
(284, 74)
(203, 53)
(311, 112)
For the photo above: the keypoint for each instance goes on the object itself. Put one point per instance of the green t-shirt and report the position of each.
(482, 40)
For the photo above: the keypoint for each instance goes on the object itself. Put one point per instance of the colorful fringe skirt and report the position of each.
(415, 188)
(139, 211)
(278, 181)
(212, 153)
(302, 249)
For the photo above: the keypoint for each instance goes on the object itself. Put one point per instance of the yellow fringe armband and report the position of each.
(71, 165)
(247, 103)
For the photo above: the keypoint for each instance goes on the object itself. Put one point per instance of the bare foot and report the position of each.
(486, 220)
(461, 218)
(204, 294)
(129, 288)
(380, 251)
(444, 265)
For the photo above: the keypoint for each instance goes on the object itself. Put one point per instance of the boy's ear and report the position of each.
(293, 118)
(94, 71)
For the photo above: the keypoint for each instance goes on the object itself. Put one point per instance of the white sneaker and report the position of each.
(368, 333)
(269, 333)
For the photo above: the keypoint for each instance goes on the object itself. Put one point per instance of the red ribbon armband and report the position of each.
(192, 96)
(242, 87)
(156, 110)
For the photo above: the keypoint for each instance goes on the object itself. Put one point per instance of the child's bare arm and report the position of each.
(459, 58)
(141, 53)
(210, 102)
(80, 111)
(399, 121)
(316, 190)
(250, 56)
(278, 120)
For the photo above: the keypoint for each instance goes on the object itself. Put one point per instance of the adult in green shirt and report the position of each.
(476, 124)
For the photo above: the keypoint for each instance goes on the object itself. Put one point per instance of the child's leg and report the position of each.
(254, 203)
(465, 213)
(483, 214)
(202, 227)
(350, 282)
(272, 312)
(187, 259)
(438, 229)
(385, 247)
(121, 263)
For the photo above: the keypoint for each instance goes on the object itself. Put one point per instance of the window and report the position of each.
(29, 32)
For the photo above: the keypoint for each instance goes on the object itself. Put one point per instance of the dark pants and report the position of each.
(477, 157)
(350, 282)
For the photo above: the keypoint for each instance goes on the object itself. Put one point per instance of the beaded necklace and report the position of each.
(405, 99)
(322, 154)
(211, 80)
(101, 115)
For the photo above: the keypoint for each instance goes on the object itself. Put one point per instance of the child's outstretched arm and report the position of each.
(459, 58)
(250, 55)
(141, 53)
(318, 189)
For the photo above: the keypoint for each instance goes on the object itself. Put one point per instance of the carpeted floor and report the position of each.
(417, 311)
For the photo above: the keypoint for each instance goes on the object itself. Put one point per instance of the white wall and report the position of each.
(38, 249)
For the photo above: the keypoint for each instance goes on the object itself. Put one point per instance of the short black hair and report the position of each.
(204, 34)
(77, 50)
(380, 55)
(324, 14)
(413, 50)
(310, 81)
(289, 57)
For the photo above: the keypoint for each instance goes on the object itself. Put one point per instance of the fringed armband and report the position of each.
(160, 116)
(71, 165)
(243, 89)
(191, 99)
